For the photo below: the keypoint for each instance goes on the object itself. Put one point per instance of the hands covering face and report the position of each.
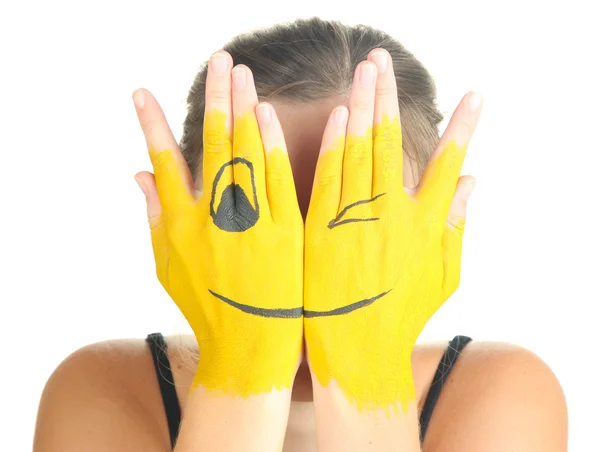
(372, 265)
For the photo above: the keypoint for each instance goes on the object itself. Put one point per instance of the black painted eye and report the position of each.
(235, 212)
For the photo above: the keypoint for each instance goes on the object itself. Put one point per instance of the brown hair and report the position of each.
(312, 59)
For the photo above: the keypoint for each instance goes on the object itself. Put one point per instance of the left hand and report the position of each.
(380, 260)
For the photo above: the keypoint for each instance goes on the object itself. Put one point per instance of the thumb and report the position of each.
(147, 184)
(160, 246)
(453, 235)
(458, 208)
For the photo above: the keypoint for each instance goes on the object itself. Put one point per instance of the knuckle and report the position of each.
(466, 124)
(155, 221)
(219, 94)
(456, 223)
(385, 90)
(387, 140)
(215, 140)
(359, 152)
(160, 160)
(464, 129)
(149, 125)
(277, 176)
(176, 231)
(327, 179)
(363, 105)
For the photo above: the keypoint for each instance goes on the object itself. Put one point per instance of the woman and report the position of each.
(255, 282)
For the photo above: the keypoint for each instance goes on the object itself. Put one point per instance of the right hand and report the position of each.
(229, 252)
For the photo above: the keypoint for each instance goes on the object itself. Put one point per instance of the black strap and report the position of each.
(158, 346)
(444, 368)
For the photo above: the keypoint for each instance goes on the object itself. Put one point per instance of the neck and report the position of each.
(302, 387)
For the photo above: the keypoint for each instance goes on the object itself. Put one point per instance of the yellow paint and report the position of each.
(240, 353)
(409, 251)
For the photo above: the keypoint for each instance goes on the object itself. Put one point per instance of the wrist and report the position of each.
(248, 368)
(258, 421)
(343, 425)
(369, 381)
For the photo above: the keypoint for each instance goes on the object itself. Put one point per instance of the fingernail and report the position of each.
(475, 100)
(468, 189)
(138, 98)
(367, 75)
(239, 77)
(340, 115)
(381, 60)
(264, 113)
(218, 63)
(142, 186)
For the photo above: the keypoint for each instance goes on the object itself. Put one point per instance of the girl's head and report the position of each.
(305, 69)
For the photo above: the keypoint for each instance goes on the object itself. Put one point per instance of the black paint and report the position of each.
(282, 313)
(345, 309)
(235, 212)
(336, 221)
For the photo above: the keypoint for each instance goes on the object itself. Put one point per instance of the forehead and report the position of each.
(303, 124)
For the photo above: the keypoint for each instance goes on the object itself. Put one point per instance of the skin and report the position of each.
(105, 395)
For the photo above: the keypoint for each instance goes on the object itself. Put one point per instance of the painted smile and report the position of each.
(294, 313)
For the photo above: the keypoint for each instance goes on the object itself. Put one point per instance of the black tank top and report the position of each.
(158, 346)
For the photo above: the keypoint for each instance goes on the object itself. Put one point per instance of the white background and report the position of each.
(76, 261)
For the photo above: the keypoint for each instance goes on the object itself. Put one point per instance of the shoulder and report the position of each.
(102, 397)
(499, 396)
(105, 396)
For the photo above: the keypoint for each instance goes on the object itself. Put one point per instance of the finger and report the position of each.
(442, 172)
(281, 192)
(358, 158)
(147, 184)
(327, 183)
(387, 133)
(458, 207)
(248, 150)
(453, 235)
(218, 119)
(173, 177)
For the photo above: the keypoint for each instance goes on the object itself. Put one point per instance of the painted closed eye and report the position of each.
(340, 220)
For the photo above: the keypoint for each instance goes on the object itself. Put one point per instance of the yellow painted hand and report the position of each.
(230, 254)
(379, 261)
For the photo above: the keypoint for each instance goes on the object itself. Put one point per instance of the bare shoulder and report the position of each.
(102, 397)
(499, 397)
